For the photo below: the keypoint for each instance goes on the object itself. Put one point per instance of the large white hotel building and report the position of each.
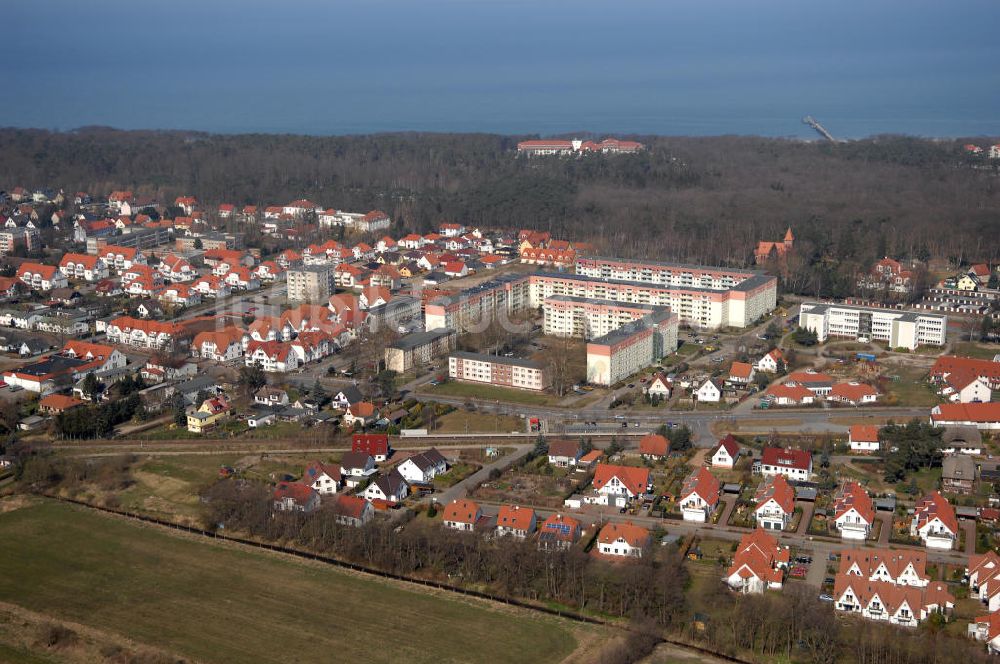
(900, 329)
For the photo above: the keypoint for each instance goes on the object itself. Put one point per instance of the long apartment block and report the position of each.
(568, 316)
(476, 307)
(502, 371)
(900, 329)
(738, 305)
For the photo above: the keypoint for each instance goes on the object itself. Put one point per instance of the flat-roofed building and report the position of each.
(310, 283)
(494, 370)
(475, 308)
(418, 348)
(631, 348)
(568, 316)
(703, 305)
(900, 329)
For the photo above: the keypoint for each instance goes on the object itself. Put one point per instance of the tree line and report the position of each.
(706, 200)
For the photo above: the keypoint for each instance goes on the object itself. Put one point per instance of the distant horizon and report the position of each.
(815, 138)
(510, 67)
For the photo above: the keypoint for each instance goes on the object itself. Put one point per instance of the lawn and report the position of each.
(169, 486)
(217, 603)
(490, 393)
(911, 388)
(459, 421)
(979, 351)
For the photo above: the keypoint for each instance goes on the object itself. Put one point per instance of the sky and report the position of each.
(671, 67)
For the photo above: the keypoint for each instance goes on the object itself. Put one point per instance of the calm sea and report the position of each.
(518, 66)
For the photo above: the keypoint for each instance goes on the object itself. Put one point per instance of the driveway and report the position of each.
(807, 515)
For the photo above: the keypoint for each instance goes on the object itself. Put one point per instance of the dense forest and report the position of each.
(695, 199)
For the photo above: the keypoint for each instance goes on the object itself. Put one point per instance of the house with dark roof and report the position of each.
(423, 467)
(564, 453)
(391, 488)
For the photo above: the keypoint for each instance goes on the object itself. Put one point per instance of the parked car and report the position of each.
(825, 598)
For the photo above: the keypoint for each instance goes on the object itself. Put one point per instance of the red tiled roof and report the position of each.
(740, 370)
(635, 479)
(703, 484)
(461, 511)
(935, 505)
(777, 456)
(895, 561)
(966, 412)
(778, 489)
(731, 444)
(654, 444)
(864, 433)
(58, 402)
(853, 392)
(853, 496)
(633, 535)
(300, 493)
(515, 517)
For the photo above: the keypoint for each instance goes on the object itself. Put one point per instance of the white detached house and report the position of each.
(726, 454)
(699, 496)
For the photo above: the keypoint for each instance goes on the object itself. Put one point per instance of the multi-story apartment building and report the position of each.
(418, 348)
(900, 329)
(710, 304)
(502, 371)
(568, 316)
(632, 347)
(475, 308)
(11, 238)
(310, 283)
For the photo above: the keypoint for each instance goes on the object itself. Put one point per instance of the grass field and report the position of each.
(490, 393)
(979, 351)
(219, 603)
(912, 388)
(459, 421)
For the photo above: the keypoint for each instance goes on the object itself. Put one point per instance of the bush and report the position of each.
(52, 635)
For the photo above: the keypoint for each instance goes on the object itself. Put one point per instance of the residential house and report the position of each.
(222, 345)
(983, 574)
(295, 497)
(212, 411)
(516, 521)
(790, 394)
(348, 396)
(899, 567)
(819, 384)
(375, 445)
(906, 606)
(775, 503)
(771, 362)
(360, 414)
(324, 478)
(625, 540)
(391, 487)
(462, 515)
(962, 440)
(423, 467)
(37, 276)
(658, 386)
(726, 454)
(83, 266)
(984, 416)
(271, 396)
(558, 532)
(699, 495)
(352, 510)
(617, 485)
(710, 391)
(793, 464)
(934, 521)
(853, 393)
(863, 438)
(758, 564)
(564, 453)
(853, 511)
(54, 404)
(987, 627)
(654, 446)
(356, 468)
(741, 374)
(958, 474)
